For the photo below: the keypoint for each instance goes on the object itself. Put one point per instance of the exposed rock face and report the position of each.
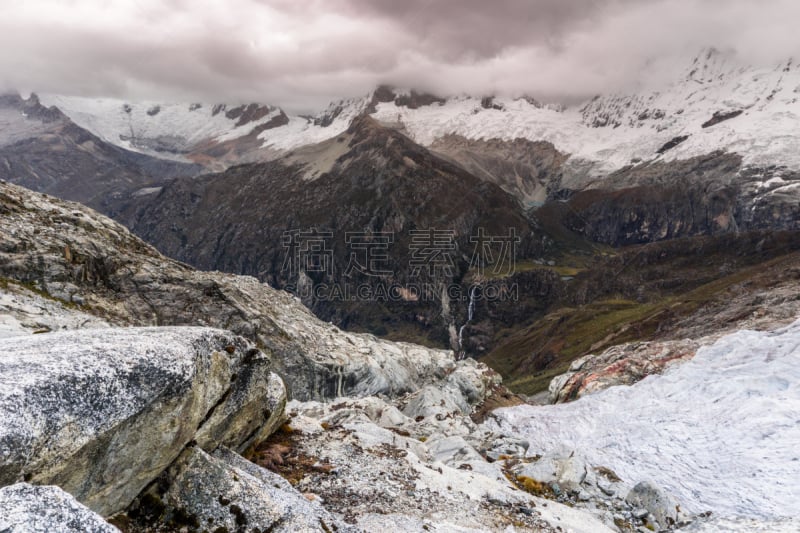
(653, 202)
(531, 171)
(28, 509)
(624, 364)
(224, 490)
(79, 257)
(369, 180)
(101, 413)
(705, 195)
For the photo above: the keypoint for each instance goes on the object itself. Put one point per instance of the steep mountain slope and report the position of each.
(44, 150)
(371, 181)
(213, 135)
(178, 403)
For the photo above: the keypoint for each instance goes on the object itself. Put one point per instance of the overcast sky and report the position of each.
(302, 53)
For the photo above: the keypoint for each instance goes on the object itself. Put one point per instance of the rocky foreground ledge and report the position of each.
(174, 428)
(101, 413)
(115, 413)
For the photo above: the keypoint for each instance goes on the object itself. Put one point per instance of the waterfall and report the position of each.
(470, 313)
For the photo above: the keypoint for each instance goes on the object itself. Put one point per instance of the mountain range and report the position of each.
(648, 182)
(406, 312)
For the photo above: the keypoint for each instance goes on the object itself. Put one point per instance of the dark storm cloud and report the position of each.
(302, 53)
(479, 29)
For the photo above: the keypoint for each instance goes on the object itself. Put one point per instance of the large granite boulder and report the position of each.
(223, 491)
(101, 413)
(28, 509)
(661, 505)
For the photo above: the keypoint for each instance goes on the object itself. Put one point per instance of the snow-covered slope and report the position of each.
(162, 130)
(716, 104)
(721, 431)
(302, 130)
(617, 130)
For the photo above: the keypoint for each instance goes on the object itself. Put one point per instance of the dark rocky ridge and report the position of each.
(708, 195)
(381, 182)
(530, 171)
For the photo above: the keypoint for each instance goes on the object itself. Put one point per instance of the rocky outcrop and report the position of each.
(82, 260)
(660, 505)
(101, 413)
(225, 491)
(623, 364)
(567, 477)
(379, 469)
(28, 509)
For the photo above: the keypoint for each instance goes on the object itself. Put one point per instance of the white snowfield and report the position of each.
(601, 135)
(157, 129)
(638, 125)
(721, 432)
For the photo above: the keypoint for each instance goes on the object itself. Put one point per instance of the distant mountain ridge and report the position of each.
(717, 103)
(712, 162)
(42, 149)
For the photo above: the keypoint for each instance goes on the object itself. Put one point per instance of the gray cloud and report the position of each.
(303, 53)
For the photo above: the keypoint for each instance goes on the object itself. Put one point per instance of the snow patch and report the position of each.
(720, 432)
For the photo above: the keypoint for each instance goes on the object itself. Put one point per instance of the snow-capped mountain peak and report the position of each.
(171, 131)
(717, 103)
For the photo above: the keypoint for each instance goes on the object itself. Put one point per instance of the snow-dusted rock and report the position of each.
(101, 413)
(453, 449)
(224, 490)
(565, 472)
(659, 503)
(466, 384)
(25, 508)
(507, 446)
